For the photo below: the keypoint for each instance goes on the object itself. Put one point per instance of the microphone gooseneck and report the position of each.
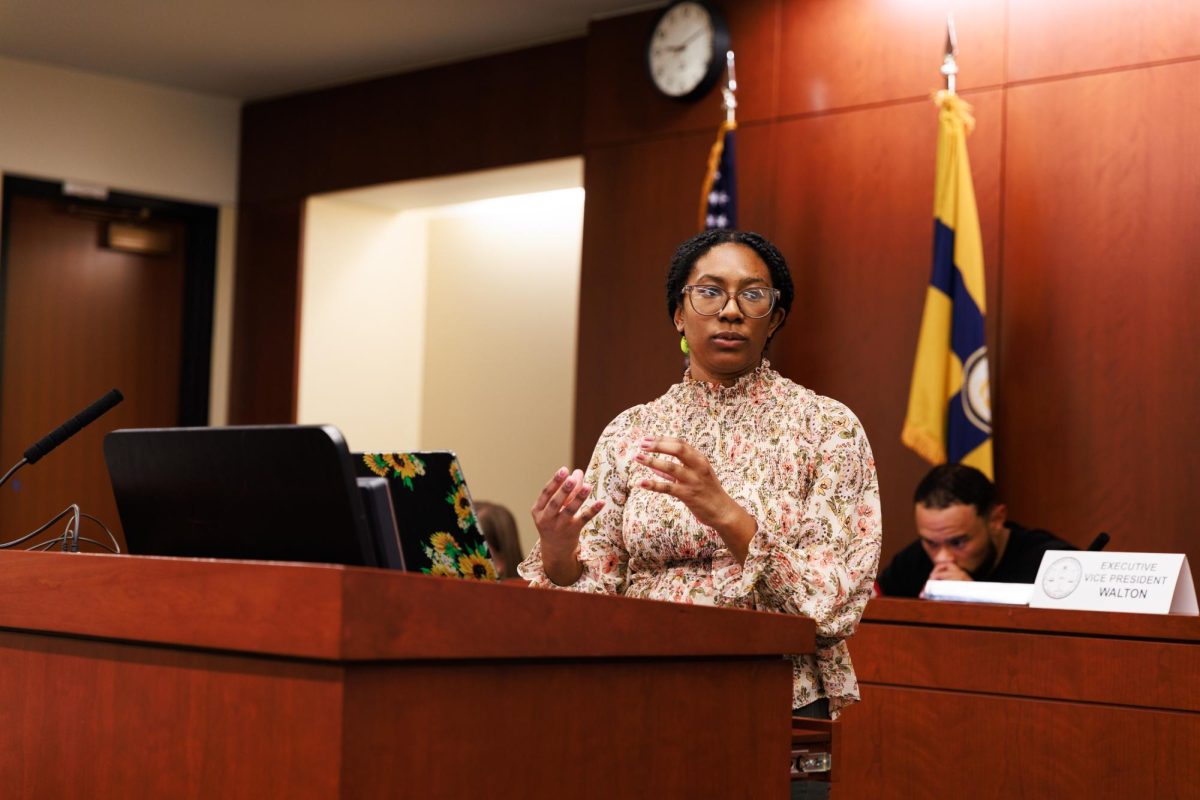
(72, 426)
(70, 537)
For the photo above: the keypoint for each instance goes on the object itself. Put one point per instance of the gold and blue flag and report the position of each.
(718, 195)
(949, 415)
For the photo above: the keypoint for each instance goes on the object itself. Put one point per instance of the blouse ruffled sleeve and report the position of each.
(601, 543)
(815, 554)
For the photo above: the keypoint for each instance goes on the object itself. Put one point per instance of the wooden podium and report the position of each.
(126, 676)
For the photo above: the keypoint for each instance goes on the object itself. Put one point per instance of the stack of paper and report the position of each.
(1016, 594)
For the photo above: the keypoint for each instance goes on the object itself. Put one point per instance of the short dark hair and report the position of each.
(688, 253)
(952, 484)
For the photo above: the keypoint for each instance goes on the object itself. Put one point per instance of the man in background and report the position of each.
(964, 535)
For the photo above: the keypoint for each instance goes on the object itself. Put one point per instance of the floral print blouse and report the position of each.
(798, 462)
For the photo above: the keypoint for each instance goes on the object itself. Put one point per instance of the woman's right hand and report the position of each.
(560, 513)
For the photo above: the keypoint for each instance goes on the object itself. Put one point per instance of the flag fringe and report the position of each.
(924, 445)
(953, 104)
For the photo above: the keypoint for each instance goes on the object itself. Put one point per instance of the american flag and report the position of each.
(718, 201)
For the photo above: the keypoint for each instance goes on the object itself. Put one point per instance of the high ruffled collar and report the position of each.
(750, 386)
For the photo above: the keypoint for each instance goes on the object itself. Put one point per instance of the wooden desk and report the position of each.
(967, 700)
(155, 677)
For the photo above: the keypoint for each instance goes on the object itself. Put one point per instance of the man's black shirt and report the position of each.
(910, 568)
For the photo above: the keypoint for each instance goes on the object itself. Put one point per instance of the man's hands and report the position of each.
(949, 571)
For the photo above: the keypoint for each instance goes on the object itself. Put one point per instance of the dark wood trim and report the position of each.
(263, 373)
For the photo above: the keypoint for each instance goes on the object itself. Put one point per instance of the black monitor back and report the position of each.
(277, 493)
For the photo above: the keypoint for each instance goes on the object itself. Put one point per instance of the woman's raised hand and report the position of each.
(560, 513)
(691, 479)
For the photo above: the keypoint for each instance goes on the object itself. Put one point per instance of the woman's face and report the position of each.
(730, 344)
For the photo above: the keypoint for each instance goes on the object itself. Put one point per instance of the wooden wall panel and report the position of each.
(758, 178)
(642, 200)
(263, 370)
(1099, 371)
(1046, 750)
(854, 200)
(456, 118)
(839, 54)
(623, 105)
(1069, 36)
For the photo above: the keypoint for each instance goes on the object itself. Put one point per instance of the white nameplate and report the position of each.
(1140, 583)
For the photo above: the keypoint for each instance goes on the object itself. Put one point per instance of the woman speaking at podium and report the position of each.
(737, 487)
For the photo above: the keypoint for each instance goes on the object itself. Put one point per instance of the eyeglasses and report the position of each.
(756, 302)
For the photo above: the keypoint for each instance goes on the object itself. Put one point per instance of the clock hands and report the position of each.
(675, 48)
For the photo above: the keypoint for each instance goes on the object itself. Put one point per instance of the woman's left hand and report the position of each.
(691, 479)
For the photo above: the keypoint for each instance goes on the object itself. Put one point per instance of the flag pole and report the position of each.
(729, 92)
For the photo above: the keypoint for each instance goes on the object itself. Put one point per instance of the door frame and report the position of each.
(199, 278)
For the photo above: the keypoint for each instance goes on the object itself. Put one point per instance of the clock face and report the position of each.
(1062, 577)
(686, 49)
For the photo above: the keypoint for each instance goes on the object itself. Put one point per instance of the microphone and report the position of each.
(1099, 542)
(47, 443)
(72, 426)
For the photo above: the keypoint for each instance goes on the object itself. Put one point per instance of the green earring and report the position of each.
(683, 345)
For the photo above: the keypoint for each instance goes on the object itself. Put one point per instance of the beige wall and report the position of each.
(500, 342)
(449, 326)
(362, 334)
(66, 125)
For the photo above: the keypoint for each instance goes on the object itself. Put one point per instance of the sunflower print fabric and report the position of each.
(800, 464)
(451, 560)
(439, 533)
(462, 506)
(404, 466)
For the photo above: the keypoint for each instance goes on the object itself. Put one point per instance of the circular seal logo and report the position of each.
(976, 391)
(1062, 577)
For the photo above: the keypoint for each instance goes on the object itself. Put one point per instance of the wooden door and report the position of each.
(80, 319)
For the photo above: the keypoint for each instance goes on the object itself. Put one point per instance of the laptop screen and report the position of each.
(278, 493)
(435, 517)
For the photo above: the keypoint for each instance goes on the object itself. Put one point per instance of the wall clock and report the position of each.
(686, 50)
